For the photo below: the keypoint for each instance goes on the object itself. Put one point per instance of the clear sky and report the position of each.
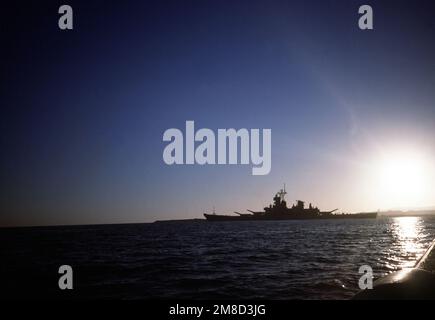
(84, 111)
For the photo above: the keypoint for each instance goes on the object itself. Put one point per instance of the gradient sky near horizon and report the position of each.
(84, 111)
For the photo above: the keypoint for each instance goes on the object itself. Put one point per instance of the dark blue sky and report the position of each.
(84, 111)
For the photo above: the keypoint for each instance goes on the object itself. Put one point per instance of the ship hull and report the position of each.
(217, 217)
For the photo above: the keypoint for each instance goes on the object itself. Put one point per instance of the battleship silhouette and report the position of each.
(279, 211)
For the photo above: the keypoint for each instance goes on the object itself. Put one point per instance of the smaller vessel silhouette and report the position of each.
(279, 211)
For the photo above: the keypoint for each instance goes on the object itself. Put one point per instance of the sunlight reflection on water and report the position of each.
(408, 232)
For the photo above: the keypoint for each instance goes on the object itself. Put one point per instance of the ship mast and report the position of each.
(282, 193)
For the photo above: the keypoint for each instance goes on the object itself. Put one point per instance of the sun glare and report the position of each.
(402, 180)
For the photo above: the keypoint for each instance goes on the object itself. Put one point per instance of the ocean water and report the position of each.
(313, 259)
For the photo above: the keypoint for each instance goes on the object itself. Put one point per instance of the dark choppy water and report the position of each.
(273, 260)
